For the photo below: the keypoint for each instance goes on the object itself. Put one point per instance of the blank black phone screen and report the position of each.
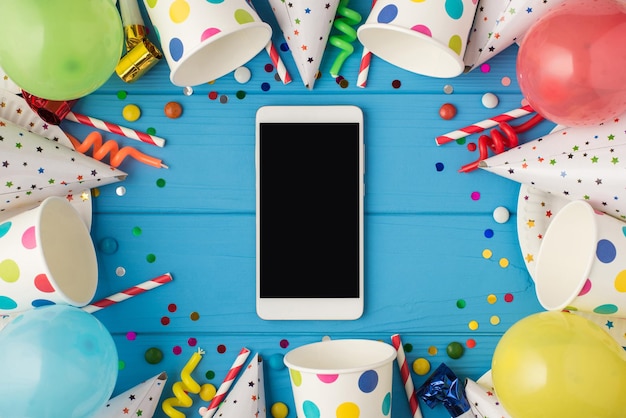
(310, 210)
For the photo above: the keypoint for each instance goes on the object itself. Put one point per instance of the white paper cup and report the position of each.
(46, 257)
(424, 37)
(203, 40)
(342, 378)
(581, 264)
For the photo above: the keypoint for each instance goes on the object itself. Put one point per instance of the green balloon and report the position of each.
(60, 49)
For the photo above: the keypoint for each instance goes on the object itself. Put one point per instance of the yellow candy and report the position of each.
(279, 410)
(207, 392)
(131, 112)
(421, 366)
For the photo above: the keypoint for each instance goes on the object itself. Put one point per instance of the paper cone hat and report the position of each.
(33, 167)
(16, 110)
(579, 163)
(499, 24)
(247, 397)
(483, 400)
(615, 326)
(7, 84)
(139, 401)
(306, 25)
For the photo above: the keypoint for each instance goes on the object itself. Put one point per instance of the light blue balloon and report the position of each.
(56, 361)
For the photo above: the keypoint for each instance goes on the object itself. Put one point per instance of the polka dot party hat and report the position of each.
(424, 37)
(342, 378)
(203, 40)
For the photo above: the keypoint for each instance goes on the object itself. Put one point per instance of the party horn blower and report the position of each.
(232, 374)
(115, 129)
(128, 293)
(483, 125)
(271, 50)
(407, 381)
(345, 23)
(134, 28)
(141, 54)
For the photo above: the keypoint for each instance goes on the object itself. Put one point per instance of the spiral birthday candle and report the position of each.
(112, 149)
(345, 24)
(186, 385)
(500, 140)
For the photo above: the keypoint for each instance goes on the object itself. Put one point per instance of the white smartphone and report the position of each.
(309, 212)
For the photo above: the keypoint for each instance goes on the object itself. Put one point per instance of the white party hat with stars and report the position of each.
(578, 163)
(500, 24)
(246, 398)
(138, 401)
(482, 398)
(306, 25)
(33, 168)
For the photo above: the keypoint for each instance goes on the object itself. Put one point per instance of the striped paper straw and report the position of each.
(278, 63)
(484, 125)
(364, 68)
(115, 129)
(128, 293)
(226, 384)
(406, 376)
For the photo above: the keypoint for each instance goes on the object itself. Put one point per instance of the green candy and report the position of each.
(455, 350)
(153, 355)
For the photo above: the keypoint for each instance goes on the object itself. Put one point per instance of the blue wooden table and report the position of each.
(428, 275)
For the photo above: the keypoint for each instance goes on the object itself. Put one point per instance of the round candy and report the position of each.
(131, 112)
(501, 214)
(173, 110)
(490, 100)
(421, 366)
(447, 111)
(153, 355)
(207, 392)
(279, 410)
(108, 245)
(275, 361)
(242, 75)
(455, 350)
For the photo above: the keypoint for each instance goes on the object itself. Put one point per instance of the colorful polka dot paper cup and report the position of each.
(46, 257)
(581, 264)
(426, 37)
(203, 40)
(342, 379)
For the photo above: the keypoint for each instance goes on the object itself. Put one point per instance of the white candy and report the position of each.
(490, 100)
(242, 75)
(501, 214)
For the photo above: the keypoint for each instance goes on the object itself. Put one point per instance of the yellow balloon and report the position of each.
(559, 364)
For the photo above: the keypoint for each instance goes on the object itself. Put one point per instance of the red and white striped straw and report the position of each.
(232, 374)
(484, 125)
(278, 62)
(406, 376)
(364, 68)
(115, 129)
(128, 293)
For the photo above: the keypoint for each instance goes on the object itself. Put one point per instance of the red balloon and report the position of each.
(571, 63)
